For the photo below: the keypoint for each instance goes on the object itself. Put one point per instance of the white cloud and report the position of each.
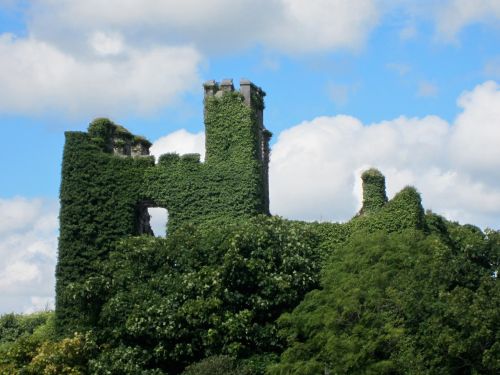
(39, 304)
(180, 142)
(28, 249)
(475, 144)
(17, 213)
(214, 25)
(37, 77)
(323, 25)
(129, 56)
(455, 166)
(106, 44)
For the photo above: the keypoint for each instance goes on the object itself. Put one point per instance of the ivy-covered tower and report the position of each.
(233, 181)
(235, 130)
(109, 181)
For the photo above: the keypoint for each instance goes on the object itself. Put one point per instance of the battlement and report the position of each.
(253, 96)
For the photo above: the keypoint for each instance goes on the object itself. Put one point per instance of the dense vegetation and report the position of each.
(229, 184)
(271, 296)
(406, 303)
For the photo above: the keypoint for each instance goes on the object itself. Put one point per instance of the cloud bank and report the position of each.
(454, 15)
(36, 76)
(119, 57)
(129, 56)
(316, 165)
(292, 26)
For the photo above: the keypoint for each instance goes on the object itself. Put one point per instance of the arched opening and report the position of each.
(158, 221)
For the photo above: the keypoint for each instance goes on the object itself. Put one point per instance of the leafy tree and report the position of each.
(412, 302)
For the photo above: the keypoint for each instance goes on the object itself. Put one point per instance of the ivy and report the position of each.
(99, 196)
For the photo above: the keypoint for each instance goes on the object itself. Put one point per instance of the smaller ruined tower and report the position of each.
(374, 197)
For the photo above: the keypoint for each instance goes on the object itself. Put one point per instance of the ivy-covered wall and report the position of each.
(99, 195)
(232, 182)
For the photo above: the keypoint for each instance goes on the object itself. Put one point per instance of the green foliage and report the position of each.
(69, 356)
(203, 291)
(20, 337)
(122, 360)
(13, 326)
(401, 291)
(401, 212)
(29, 346)
(408, 302)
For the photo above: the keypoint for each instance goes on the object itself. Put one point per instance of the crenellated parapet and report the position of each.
(253, 96)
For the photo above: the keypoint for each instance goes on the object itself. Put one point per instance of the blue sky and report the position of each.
(409, 87)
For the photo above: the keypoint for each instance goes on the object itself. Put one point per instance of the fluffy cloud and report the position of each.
(107, 58)
(475, 144)
(213, 25)
(323, 24)
(28, 249)
(181, 142)
(36, 76)
(315, 165)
